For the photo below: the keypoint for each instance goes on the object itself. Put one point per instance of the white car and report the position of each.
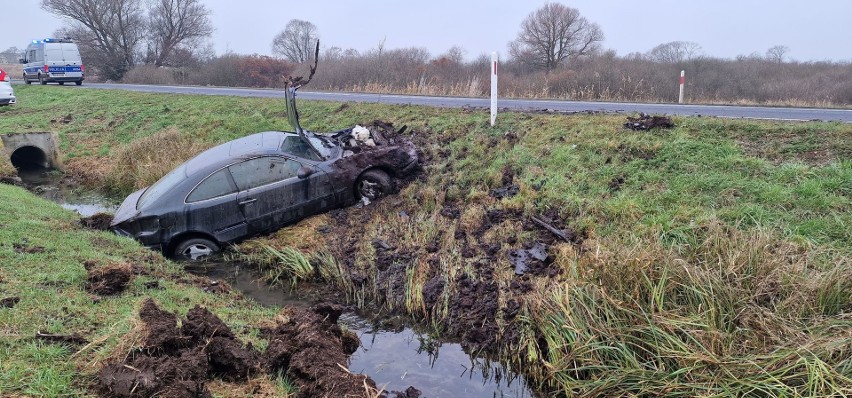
(7, 95)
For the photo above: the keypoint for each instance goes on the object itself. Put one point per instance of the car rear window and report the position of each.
(162, 186)
(216, 185)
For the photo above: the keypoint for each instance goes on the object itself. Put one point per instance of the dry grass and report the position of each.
(15, 71)
(144, 161)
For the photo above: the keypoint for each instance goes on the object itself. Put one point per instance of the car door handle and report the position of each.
(247, 201)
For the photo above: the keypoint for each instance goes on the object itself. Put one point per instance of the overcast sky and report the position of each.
(814, 30)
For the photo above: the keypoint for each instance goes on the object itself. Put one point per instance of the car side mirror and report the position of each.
(305, 172)
(22, 60)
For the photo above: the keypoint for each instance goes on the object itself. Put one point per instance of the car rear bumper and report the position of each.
(8, 100)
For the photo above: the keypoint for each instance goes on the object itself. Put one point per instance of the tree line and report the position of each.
(557, 54)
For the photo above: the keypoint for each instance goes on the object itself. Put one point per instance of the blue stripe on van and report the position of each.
(64, 69)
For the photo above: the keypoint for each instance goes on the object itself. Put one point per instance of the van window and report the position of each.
(53, 52)
(70, 52)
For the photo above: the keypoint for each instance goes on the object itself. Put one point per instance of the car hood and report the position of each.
(127, 210)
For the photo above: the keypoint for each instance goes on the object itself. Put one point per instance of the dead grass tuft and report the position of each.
(144, 161)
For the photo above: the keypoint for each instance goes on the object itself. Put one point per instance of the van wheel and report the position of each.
(374, 184)
(79, 82)
(27, 81)
(61, 83)
(41, 79)
(195, 249)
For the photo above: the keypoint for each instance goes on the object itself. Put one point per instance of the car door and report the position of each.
(268, 191)
(212, 207)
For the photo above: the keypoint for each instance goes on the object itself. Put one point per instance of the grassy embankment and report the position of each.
(715, 258)
(42, 255)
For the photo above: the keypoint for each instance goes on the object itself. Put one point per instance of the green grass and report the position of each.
(50, 285)
(716, 260)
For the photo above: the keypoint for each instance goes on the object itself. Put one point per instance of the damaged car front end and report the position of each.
(262, 182)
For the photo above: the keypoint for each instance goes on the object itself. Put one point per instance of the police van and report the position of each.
(53, 60)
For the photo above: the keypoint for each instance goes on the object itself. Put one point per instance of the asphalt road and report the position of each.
(751, 112)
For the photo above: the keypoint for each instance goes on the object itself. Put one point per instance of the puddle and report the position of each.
(394, 359)
(52, 186)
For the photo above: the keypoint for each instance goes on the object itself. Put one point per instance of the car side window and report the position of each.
(262, 171)
(214, 186)
(297, 147)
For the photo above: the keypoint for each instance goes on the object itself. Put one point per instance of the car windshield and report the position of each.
(162, 186)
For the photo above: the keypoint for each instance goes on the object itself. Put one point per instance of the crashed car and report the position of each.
(261, 183)
(7, 95)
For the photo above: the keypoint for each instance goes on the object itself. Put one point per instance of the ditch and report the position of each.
(395, 353)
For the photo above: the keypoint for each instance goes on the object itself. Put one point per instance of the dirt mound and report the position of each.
(176, 362)
(97, 221)
(647, 122)
(107, 279)
(312, 350)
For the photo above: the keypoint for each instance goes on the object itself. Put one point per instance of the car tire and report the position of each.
(41, 79)
(61, 83)
(373, 184)
(195, 249)
(27, 81)
(79, 82)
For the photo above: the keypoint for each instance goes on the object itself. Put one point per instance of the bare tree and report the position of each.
(173, 23)
(777, 53)
(112, 28)
(675, 52)
(552, 34)
(296, 42)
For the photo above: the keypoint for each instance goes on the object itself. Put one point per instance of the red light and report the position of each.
(45, 69)
(82, 68)
(2, 75)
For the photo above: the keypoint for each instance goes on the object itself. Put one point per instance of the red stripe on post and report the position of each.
(682, 80)
(495, 67)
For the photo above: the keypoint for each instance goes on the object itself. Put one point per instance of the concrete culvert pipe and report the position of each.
(28, 151)
(29, 158)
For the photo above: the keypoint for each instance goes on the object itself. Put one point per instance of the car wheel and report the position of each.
(195, 249)
(41, 79)
(79, 82)
(27, 81)
(373, 184)
(61, 83)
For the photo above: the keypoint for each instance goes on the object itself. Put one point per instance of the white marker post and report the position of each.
(494, 60)
(682, 81)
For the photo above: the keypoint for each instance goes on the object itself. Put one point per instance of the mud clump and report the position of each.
(311, 349)
(107, 279)
(97, 221)
(177, 362)
(473, 311)
(648, 122)
(10, 302)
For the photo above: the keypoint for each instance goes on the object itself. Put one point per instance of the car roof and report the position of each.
(258, 143)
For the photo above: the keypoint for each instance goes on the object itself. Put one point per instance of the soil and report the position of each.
(97, 221)
(69, 339)
(311, 349)
(178, 361)
(107, 279)
(9, 302)
(24, 247)
(648, 122)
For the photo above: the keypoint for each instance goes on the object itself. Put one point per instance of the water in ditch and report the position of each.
(395, 356)
(52, 185)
